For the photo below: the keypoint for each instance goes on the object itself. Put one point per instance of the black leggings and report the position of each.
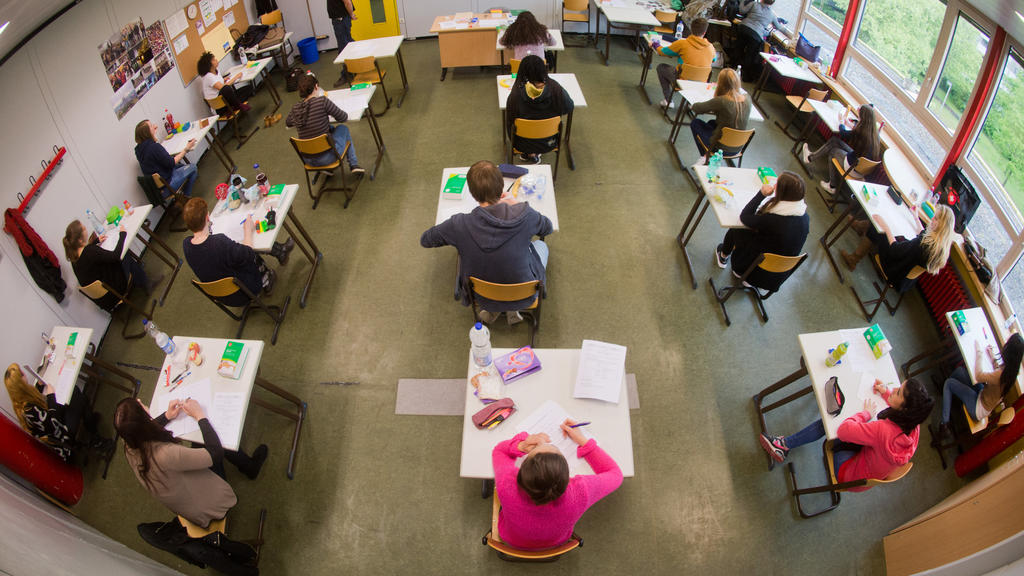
(218, 454)
(234, 97)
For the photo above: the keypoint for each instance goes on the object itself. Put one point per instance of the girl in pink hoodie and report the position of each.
(868, 447)
(540, 504)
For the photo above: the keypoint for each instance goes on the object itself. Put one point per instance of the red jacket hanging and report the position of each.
(41, 262)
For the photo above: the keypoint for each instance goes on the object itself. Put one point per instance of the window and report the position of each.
(819, 37)
(900, 37)
(952, 93)
(831, 12)
(788, 10)
(1013, 287)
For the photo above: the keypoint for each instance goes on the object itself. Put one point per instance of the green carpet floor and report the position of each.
(376, 493)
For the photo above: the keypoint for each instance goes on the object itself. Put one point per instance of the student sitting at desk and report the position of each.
(694, 50)
(526, 36)
(870, 445)
(312, 117)
(214, 85)
(91, 262)
(731, 108)
(752, 33)
(898, 256)
(214, 256)
(535, 96)
(779, 226)
(495, 241)
(847, 146)
(540, 503)
(983, 397)
(154, 159)
(189, 481)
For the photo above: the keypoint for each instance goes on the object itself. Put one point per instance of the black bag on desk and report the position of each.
(291, 79)
(976, 258)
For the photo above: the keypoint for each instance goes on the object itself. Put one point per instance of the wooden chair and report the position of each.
(913, 275)
(668, 21)
(276, 18)
(155, 189)
(538, 129)
(860, 171)
(229, 116)
(513, 65)
(577, 11)
(228, 286)
(834, 487)
(99, 289)
(508, 293)
(769, 263)
(800, 106)
(694, 73)
(368, 70)
(312, 148)
(733, 144)
(511, 554)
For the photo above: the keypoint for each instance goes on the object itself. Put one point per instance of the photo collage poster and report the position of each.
(135, 59)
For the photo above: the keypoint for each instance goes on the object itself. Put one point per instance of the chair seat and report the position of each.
(330, 166)
(799, 101)
(370, 77)
(197, 531)
(664, 30)
(572, 17)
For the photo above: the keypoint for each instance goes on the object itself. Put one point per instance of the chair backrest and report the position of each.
(815, 94)
(271, 18)
(732, 138)
(865, 166)
(504, 292)
(893, 476)
(694, 73)
(493, 540)
(779, 264)
(151, 189)
(96, 290)
(311, 147)
(197, 531)
(545, 128)
(513, 65)
(576, 5)
(218, 288)
(665, 16)
(360, 65)
(915, 273)
(218, 103)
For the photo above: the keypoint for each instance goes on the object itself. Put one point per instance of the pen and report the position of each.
(176, 384)
(181, 377)
(578, 424)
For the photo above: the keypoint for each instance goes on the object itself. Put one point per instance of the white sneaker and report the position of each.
(513, 317)
(826, 187)
(805, 154)
(663, 103)
(488, 317)
(703, 161)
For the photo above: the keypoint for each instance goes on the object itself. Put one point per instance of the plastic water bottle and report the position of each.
(480, 337)
(243, 56)
(837, 354)
(95, 222)
(164, 341)
(739, 73)
(679, 30)
(713, 165)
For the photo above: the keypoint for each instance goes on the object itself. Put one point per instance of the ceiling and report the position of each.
(25, 16)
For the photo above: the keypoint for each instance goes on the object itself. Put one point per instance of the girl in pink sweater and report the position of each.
(868, 448)
(540, 504)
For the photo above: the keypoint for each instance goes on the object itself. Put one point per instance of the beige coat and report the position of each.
(181, 479)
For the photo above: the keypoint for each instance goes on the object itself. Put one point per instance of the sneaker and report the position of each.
(663, 103)
(775, 446)
(721, 258)
(356, 169)
(268, 281)
(487, 317)
(513, 318)
(805, 154)
(760, 292)
(827, 187)
(703, 161)
(529, 158)
(245, 107)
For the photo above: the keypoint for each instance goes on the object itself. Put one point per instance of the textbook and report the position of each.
(517, 364)
(233, 360)
(453, 186)
(275, 189)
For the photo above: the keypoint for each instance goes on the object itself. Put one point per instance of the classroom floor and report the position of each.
(376, 493)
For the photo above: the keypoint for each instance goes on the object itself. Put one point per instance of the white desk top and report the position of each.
(229, 222)
(785, 66)
(62, 373)
(742, 182)
(567, 81)
(555, 381)
(132, 224)
(197, 130)
(831, 113)
(556, 35)
(628, 12)
(376, 47)
(250, 70)
(212, 348)
(257, 50)
(353, 102)
(856, 378)
(694, 92)
(902, 221)
(978, 331)
(457, 23)
(447, 207)
(904, 176)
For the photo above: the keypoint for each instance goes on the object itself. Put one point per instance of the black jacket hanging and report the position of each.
(41, 262)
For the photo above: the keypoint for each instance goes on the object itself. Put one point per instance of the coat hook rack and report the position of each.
(37, 183)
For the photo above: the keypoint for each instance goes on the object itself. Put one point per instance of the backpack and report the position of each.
(214, 550)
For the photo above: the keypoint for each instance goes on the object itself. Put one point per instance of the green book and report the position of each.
(453, 187)
(232, 360)
(360, 86)
(275, 189)
(877, 341)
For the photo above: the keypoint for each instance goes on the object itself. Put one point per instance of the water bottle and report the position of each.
(164, 341)
(480, 337)
(713, 165)
(243, 56)
(739, 73)
(95, 222)
(679, 30)
(170, 122)
(837, 354)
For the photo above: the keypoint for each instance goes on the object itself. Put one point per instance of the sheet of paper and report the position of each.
(463, 16)
(200, 28)
(66, 380)
(858, 354)
(866, 389)
(199, 390)
(228, 18)
(548, 418)
(176, 23)
(180, 44)
(209, 13)
(601, 370)
(229, 222)
(216, 5)
(226, 414)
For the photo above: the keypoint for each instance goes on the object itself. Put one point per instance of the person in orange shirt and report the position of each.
(694, 50)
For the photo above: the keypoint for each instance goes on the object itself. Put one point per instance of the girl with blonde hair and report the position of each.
(898, 256)
(731, 108)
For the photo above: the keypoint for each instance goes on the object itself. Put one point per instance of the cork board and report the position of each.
(215, 11)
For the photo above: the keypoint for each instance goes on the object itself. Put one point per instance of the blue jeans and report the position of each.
(186, 173)
(959, 384)
(341, 136)
(813, 432)
(342, 31)
(542, 250)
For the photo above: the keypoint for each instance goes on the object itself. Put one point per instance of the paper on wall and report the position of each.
(180, 44)
(176, 23)
(208, 11)
(228, 19)
(216, 5)
(230, 4)
(200, 28)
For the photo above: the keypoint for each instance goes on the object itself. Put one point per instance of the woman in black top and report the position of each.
(91, 263)
(779, 226)
(898, 256)
(535, 96)
(847, 146)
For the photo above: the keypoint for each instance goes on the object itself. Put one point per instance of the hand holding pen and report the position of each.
(571, 429)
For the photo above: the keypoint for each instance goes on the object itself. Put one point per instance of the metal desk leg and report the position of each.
(827, 243)
(298, 416)
(756, 96)
(677, 126)
(759, 398)
(607, 35)
(273, 91)
(568, 145)
(378, 140)
(308, 247)
(401, 71)
(174, 261)
(701, 204)
(221, 152)
(648, 55)
(133, 388)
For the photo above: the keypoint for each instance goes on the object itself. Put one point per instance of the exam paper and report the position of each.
(858, 354)
(66, 380)
(226, 415)
(601, 370)
(548, 418)
(199, 390)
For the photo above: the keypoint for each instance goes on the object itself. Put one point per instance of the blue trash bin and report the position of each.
(308, 51)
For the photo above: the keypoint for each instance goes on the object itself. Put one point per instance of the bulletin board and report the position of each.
(188, 46)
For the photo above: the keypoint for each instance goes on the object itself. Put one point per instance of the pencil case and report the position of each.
(512, 171)
(494, 413)
(834, 399)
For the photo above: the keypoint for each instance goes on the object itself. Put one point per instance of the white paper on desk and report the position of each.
(65, 381)
(448, 25)
(176, 23)
(866, 389)
(199, 390)
(229, 222)
(857, 354)
(601, 370)
(463, 16)
(180, 44)
(548, 418)
(226, 414)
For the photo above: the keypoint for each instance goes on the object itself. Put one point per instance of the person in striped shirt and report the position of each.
(312, 117)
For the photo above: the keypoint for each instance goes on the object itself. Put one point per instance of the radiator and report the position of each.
(943, 292)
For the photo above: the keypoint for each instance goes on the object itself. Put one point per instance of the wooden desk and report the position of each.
(229, 223)
(386, 47)
(132, 224)
(447, 207)
(555, 48)
(625, 15)
(786, 67)
(254, 52)
(555, 381)
(354, 103)
(201, 128)
(742, 182)
(253, 70)
(212, 348)
(463, 43)
(572, 88)
(692, 92)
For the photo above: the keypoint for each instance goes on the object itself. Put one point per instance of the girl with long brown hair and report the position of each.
(847, 146)
(91, 262)
(527, 36)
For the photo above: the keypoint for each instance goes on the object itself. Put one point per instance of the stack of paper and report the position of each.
(200, 391)
(601, 371)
